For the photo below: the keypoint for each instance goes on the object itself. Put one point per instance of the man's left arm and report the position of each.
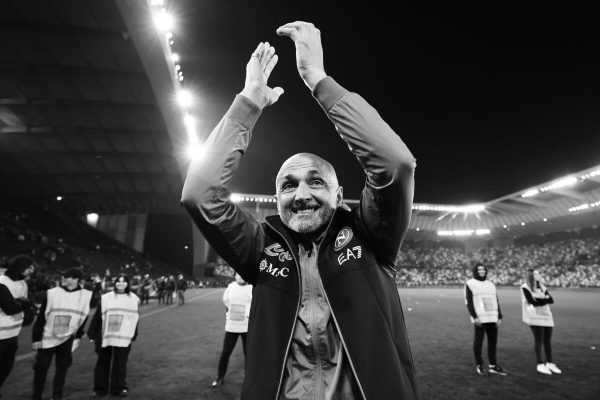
(386, 201)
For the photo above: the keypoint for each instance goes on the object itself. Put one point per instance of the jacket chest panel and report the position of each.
(346, 253)
(277, 268)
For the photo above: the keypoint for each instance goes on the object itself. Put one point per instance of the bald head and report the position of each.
(307, 161)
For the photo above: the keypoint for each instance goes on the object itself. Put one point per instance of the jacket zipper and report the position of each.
(342, 338)
(297, 308)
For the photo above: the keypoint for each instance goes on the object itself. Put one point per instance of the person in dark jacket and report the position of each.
(15, 310)
(326, 319)
(484, 309)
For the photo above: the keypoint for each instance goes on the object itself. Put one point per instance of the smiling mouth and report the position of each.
(305, 211)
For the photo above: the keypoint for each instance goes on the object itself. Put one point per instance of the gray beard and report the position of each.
(303, 226)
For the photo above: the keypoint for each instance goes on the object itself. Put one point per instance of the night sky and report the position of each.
(490, 101)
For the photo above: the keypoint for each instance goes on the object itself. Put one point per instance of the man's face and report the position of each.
(307, 193)
(536, 275)
(481, 271)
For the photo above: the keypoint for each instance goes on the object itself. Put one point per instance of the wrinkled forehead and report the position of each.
(302, 164)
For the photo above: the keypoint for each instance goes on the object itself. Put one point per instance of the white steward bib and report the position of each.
(485, 301)
(537, 316)
(65, 313)
(10, 325)
(237, 299)
(119, 318)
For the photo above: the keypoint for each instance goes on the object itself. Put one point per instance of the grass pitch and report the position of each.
(178, 347)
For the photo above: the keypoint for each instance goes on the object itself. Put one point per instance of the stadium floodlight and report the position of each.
(579, 208)
(235, 197)
(482, 232)
(163, 21)
(194, 151)
(92, 219)
(530, 193)
(185, 98)
(58, 198)
(190, 126)
(545, 220)
(522, 223)
(175, 57)
(466, 209)
(563, 182)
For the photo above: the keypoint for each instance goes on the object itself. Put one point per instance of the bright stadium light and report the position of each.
(92, 219)
(563, 182)
(482, 231)
(58, 198)
(530, 193)
(467, 209)
(190, 126)
(185, 98)
(236, 198)
(194, 151)
(175, 57)
(579, 208)
(163, 21)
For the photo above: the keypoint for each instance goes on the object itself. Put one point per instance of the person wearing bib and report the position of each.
(484, 308)
(14, 302)
(113, 329)
(237, 298)
(535, 307)
(57, 331)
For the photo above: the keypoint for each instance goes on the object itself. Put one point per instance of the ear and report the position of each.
(340, 196)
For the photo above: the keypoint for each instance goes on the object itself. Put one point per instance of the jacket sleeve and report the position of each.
(386, 200)
(533, 301)
(469, 301)
(235, 235)
(8, 304)
(38, 326)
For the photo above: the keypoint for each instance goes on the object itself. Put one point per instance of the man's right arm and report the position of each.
(234, 234)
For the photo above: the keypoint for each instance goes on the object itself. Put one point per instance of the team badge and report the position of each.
(343, 238)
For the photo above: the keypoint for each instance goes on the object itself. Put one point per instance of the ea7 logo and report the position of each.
(267, 267)
(355, 252)
(275, 250)
(342, 238)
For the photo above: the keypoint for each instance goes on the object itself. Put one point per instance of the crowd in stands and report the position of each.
(573, 262)
(58, 243)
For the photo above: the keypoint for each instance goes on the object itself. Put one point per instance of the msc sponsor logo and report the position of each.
(275, 250)
(355, 253)
(268, 268)
(342, 238)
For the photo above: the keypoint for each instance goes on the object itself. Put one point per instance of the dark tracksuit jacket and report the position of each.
(355, 261)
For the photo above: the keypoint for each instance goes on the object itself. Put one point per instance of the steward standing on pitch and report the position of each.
(484, 308)
(58, 330)
(113, 328)
(326, 320)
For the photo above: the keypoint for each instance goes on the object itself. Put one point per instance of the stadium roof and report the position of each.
(78, 111)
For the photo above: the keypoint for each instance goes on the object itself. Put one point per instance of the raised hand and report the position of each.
(309, 51)
(258, 70)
